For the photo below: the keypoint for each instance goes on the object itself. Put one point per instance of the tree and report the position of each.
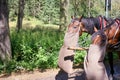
(20, 14)
(5, 45)
(76, 4)
(115, 10)
(13, 8)
(64, 15)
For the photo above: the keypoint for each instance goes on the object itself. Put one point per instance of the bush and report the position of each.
(37, 48)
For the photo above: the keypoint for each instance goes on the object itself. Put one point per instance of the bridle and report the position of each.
(103, 22)
(118, 26)
(117, 21)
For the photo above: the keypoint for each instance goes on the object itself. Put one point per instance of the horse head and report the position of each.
(76, 22)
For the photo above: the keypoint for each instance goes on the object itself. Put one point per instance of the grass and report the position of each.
(36, 46)
(32, 23)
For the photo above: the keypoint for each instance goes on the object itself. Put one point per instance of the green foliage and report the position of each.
(45, 10)
(39, 47)
(49, 10)
(84, 41)
(79, 57)
(85, 7)
(35, 48)
(96, 7)
(115, 12)
(13, 8)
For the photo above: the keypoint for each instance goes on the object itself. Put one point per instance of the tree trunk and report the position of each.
(76, 4)
(64, 17)
(5, 45)
(20, 14)
(89, 8)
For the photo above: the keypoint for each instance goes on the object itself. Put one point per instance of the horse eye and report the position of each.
(75, 27)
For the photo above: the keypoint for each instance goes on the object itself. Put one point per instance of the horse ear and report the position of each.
(80, 18)
(72, 17)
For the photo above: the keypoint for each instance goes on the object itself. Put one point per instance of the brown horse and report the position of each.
(111, 28)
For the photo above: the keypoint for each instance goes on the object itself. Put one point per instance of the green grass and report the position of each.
(32, 23)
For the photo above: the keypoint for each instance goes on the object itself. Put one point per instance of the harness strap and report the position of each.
(103, 22)
(117, 44)
(116, 32)
(100, 18)
(118, 22)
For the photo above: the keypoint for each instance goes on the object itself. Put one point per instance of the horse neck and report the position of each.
(90, 23)
(109, 27)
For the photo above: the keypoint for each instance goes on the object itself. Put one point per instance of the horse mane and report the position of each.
(109, 26)
(109, 20)
(90, 23)
(1, 17)
(101, 34)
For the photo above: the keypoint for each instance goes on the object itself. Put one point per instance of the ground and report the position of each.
(52, 74)
(57, 74)
(32, 75)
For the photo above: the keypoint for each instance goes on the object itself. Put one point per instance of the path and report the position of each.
(56, 74)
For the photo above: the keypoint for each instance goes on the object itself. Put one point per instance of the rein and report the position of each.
(118, 22)
(103, 22)
(117, 45)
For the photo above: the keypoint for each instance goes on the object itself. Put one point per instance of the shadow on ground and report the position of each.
(58, 74)
(79, 74)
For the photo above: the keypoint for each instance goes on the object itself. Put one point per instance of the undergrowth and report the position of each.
(37, 48)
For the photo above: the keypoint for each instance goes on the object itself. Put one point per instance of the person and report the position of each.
(93, 61)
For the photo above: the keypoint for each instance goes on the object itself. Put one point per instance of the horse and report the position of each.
(111, 28)
(93, 61)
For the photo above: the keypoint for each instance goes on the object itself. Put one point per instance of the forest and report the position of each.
(34, 30)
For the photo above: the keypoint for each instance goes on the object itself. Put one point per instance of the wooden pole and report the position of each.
(77, 48)
(107, 7)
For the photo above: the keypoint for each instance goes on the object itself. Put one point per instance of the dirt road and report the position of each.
(56, 74)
